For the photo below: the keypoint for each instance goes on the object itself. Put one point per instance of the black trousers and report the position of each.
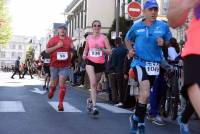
(25, 72)
(116, 84)
(16, 71)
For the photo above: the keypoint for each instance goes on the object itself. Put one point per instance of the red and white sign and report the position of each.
(134, 9)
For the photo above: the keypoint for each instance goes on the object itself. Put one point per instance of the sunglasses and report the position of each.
(96, 25)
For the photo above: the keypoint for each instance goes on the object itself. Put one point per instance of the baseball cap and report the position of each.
(150, 4)
(62, 26)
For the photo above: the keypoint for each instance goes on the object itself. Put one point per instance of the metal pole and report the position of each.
(117, 17)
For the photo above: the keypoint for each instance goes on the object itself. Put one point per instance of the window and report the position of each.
(3, 54)
(12, 54)
(20, 47)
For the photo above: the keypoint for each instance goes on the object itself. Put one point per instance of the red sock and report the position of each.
(61, 95)
(51, 92)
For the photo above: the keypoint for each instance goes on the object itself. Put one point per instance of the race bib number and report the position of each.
(62, 55)
(95, 52)
(152, 68)
(47, 61)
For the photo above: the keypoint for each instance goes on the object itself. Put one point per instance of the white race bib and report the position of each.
(62, 55)
(152, 68)
(94, 52)
(47, 61)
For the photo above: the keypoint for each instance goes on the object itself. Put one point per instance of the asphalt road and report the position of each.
(25, 109)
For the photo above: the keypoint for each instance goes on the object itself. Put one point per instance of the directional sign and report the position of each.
(134, 9)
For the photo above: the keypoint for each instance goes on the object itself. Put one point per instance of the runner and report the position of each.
(97, 45)
(46, 60)
(190, 54)
(59, 47)
(148, 36)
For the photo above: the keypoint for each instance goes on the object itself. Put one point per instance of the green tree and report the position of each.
(5, 29)
(124, 26)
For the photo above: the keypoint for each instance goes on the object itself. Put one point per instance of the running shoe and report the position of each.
(184, 129)
(89, 105)
(158, 121)
(60, 107)
(134, 124)
(95, 111)
(141, 128)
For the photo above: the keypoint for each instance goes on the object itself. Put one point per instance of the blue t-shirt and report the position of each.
(145, 41)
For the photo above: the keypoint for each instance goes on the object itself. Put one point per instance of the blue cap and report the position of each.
(150, 4)
(62, 26)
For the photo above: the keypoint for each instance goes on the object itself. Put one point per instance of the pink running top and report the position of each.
(192, 45)
(95, 44)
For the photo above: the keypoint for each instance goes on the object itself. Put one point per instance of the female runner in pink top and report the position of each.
(97, 45)
(177, 15)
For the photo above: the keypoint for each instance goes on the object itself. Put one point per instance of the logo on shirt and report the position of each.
(158, 30)
(140, 30)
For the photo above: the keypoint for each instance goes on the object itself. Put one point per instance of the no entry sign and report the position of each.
(134, 9)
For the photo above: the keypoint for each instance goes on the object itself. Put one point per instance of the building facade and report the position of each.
(16, 48)
(81, 13)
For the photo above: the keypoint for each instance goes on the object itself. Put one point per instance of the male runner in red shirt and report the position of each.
(59, 47)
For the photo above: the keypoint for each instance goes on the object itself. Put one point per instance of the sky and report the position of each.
(35, 17)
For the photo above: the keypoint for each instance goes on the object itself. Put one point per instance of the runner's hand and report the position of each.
(125, 76)
(84, 57)
(160, 41)
(131, 52)
(60, 44)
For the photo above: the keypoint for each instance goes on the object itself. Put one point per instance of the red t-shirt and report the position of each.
(61, 57)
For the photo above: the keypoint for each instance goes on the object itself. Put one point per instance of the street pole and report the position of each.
(117, 11)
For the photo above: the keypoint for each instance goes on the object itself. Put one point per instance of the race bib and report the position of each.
(47, 61)
(94, 52)
(62, 55)
(152, 68)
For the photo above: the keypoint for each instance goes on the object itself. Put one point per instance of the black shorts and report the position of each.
(191, 72)
(97, 67)
(46, 70)
(141, 75)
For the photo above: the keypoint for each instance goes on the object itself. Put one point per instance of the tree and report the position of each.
(124, 26)
(5, 29)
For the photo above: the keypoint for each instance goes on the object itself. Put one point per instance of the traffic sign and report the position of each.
(134, 9)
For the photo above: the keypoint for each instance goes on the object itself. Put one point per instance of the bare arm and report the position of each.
(86, 49)
(108, 48)
(129, 44)
(179, 10)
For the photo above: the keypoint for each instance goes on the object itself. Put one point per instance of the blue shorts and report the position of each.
(56, 72)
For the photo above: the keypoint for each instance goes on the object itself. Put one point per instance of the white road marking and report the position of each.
(113, 109)
(37, 90)
(11, 106)
(67, 107)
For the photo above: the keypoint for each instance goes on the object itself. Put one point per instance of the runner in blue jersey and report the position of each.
(144, 41)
